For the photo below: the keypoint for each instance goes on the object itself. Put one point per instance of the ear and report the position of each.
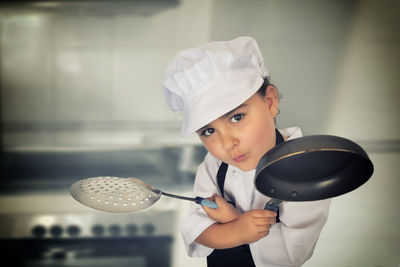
(271, 99)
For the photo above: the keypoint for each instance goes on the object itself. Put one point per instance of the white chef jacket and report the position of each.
(289, 243)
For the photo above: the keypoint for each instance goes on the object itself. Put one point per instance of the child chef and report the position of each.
(223, 91)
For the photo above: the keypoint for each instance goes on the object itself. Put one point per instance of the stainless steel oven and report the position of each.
(42, 225)
(88, 239)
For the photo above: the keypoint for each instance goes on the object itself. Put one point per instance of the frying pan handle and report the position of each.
(273, 204)
(206, 202)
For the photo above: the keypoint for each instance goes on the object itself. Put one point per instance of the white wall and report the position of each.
(92, 69)
(366, 91)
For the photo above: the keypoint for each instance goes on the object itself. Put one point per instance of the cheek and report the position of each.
(262, 135)
(212, 147)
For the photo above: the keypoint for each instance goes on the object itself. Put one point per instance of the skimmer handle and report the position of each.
(206, 202)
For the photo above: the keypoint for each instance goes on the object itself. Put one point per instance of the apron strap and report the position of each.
(221, 177)
(239, 256)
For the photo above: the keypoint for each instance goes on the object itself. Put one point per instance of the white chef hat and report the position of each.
(205, 82)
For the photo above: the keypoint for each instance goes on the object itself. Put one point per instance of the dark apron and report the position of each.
(239, 256)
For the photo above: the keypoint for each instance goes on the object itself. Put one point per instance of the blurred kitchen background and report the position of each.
(81, 96)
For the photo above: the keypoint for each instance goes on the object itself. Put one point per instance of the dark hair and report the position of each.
(263, 87)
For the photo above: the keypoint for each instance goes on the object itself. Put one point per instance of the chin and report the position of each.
(246, 167)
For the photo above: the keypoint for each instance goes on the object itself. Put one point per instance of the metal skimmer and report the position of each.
(115, 194)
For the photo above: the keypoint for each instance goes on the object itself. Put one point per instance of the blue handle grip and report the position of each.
(273, 205)
(206, 202)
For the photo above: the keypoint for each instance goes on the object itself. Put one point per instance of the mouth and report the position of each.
(240, 158)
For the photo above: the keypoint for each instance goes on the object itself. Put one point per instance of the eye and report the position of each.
(237, 117)
(208, 132)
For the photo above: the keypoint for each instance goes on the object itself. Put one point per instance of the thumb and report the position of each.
(212, 197)
(219, 200)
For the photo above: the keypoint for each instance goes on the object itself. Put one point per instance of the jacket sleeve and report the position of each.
(197, 221)
(291, 242)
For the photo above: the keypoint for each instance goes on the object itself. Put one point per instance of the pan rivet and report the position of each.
(272, 191)
(294, 194)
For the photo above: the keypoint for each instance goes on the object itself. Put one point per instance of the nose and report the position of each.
(229, 141)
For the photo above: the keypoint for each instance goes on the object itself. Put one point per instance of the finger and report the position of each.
(265, 220)
(263, 232)
(210, 211)
(219, 200)
(211, 197)
(205, 208)
(266, 227)
(263, 213)
(272, 220)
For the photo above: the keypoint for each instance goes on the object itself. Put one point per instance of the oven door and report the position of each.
(88, 252)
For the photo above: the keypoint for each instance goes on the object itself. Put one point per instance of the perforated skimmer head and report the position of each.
(114, 194)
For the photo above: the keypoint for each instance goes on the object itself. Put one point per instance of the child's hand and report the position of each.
(254, 225)
(225, 211)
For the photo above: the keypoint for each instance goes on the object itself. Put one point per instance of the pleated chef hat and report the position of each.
(205, 82)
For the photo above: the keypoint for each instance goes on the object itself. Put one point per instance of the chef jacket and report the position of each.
(289, 243)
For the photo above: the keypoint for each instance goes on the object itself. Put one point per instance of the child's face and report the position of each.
(241, 137)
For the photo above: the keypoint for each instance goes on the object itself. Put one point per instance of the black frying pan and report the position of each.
(312, 168)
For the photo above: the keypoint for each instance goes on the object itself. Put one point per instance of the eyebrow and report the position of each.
(233, 111)
(228, 114)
